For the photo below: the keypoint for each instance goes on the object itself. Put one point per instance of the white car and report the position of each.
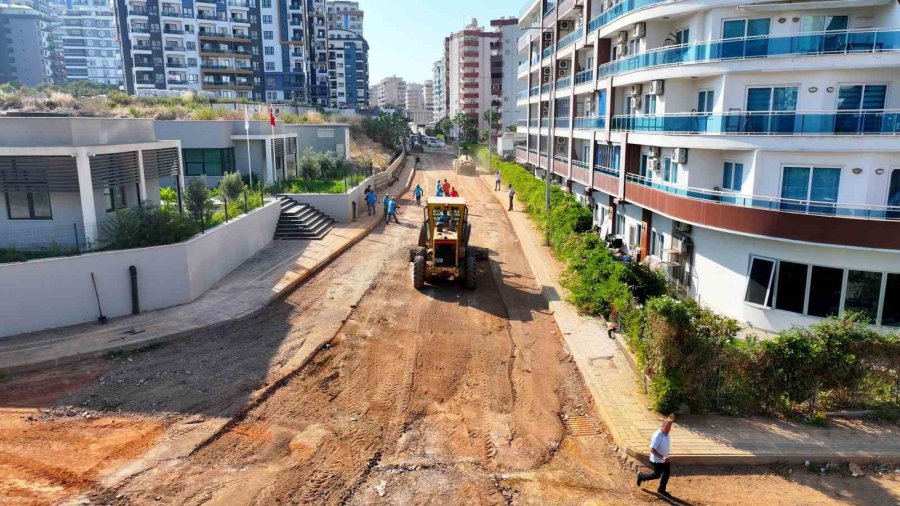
(435, 143)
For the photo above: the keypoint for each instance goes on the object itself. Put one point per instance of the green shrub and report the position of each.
(8, 255)
(148, 226)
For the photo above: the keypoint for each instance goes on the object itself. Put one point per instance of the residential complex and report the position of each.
(24, 55)
(428, 90)
(90, 44)
(439, 86)
(747, 148)
(348, 68)
(390, 93)
(343, 15)
(415, 105)
(474, 62)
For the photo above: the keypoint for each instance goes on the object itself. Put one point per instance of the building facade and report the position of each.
(343, 15)
(428, 90)
(504, 67)
(90, 44)
(415, 104)
(439, 110)
(474, 61)
(748, 149)
(389, 93)
(23, 53)
(348, 69)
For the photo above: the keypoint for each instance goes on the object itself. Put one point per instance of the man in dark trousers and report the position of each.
(511, 193)
(659, 457)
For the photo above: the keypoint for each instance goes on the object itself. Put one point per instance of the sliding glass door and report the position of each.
(893, 200)
(770, 109)
(810, 189)
(750, 38)
(859, 108)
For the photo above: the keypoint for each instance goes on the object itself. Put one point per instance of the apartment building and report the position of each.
(474, 69)
(437, 71)
(348, 69)
(21, 48)
(389, 93)
(428, 90)
(504, 68)
(90, 43)
(749, 149)
(415, 104)
(343, 15)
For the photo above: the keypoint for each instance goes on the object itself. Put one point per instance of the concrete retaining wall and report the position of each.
(56, 292)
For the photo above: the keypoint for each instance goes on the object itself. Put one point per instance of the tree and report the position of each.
(490, 116)
(196, 199)
(389, 130)
(309, 164)
(445, 125)
(168, 196)
(231, 186)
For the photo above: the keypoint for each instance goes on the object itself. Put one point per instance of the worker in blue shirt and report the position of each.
(386, 201)
(418, 193)
(391, 212)
(438, 190)
(371, 198)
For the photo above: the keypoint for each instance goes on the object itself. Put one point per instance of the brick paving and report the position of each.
(265, 277)
(616, 387)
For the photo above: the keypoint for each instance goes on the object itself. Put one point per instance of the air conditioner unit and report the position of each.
(563, 64)
(657, 87)
(670, 256)
(547, 71)
(654, 151)
(680, 155)
(635, 90)
(565, 25)
(545, 111)
(683, 227)
(621, 50)
(622, 37)
(560, 141)
(561, 73)
(640, 29)
(546, 79)
(635, 102)
(561, 149)
(653, 165)
(548, 37)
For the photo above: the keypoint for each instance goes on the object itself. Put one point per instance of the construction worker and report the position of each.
(418, 193)
(444, 217)
(446, 188)
(386, 201)
(453, 192)
(391, 212)
(371, 198)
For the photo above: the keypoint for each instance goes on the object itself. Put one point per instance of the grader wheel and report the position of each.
(418, 272)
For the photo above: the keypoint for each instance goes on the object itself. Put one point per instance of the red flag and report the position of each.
(271, 117)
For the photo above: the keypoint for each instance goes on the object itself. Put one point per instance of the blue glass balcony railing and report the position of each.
(618, 11)
(564, 83)
(580, 164)
(609, 171)
(819, 43)
(533, 92)
(545, 88)
(547, 52)
(533, 122)
(562, 122)
(545, 122)
(570, 39)
(585, 76)
(522, 95)
(861, 211)
(874, 122)
(590, 123)
(523, 66)
(522, 122)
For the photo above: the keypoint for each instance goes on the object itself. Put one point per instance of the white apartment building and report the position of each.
(389, 93)
(90, 44)
(474, 70)
(437, 70)
(344, 15)
(415, 104)
(428, 90)
(508, 111)
(750, 149)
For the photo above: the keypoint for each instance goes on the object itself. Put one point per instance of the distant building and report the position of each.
(390, 92)
(439, 88)
(348, 69)
(343, 15)
(415, 104)
(90, 44)
(23, 57)
(428, 89)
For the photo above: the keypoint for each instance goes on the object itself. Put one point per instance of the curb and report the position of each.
(137, 345)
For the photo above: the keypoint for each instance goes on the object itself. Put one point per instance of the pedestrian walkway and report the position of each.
(616, 388)
(267, 276)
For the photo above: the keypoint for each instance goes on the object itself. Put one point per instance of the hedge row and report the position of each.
(692, 356)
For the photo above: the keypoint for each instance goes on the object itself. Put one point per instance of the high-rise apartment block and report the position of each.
(389, 93)
(273, 50)
(437, 71)
(24, 55)
(428, 90)
(343, 15)
(415, 104)
(90, 43)
(746, 148)
(474, 60)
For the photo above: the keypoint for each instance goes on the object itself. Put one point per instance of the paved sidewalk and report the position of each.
(267, 276)
(696, 439)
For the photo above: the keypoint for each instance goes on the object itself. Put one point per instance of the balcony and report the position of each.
(140, 29)
(211, 16)
(547, 52)
(581, 172)
(545, 122)
(561, 122)
(144, 81)
(137, 11)
(522, 95)
(563, 84)
(521, 154)
(570, 39)
(523, 66)
(545, 88)
(535, 91)
(585, 76)
(143, 63)
(238, 3)
(177, 82)
(177, 49)
(810, 44)
(171, 13)
(176, 65)
(590, 123)
(173, 31)
(874, 122)
(521, 123)
(618, 11)
(800, 220)
(240, 19)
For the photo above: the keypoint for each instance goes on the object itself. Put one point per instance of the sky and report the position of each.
(406, 37)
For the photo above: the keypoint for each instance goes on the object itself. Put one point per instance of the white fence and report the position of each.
(55, 292)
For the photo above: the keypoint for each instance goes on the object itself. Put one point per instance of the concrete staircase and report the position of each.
(301, 221)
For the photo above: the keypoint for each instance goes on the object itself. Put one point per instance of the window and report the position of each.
(754, 29)
(269, 50)
(28, 206)
(267, 19)
(210, 162)
(620, 223)
(890, 313)
(268, 35)
(115, 198)
(822, 23)
(759, 282)
(825, 286)
(769, 108)
(266, 4)
(670, 171)
(649, 104)
(791, 286)
(644, 160)
(705, 101)
(270, 66)
(853, 102)
(733, 176)
(682, 36)
(863, 292)
(810, 189)
(634, 236)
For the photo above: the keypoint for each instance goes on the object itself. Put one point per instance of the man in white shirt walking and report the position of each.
(659, 457)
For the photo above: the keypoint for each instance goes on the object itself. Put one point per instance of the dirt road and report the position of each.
(357, 389)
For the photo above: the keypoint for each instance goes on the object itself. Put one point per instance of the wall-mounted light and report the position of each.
(795, 19)
(879, 171)
(813, 89)
(782, 20)
(830, 89)
(857, 171)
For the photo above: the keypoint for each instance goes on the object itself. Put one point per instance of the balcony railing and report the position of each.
(561, 158)
(580, 164)
(533, 92)
(545, 122)
(618, 11)
(564, 83)
(176, 65)
(547, 52)
(533, 122)
(545, 88)
(171, 13)
(861, 211)
(523, 66)
(239, 3)
(585, 76)
(874, 122)
(172, 48)
(173, 31)
(609, 171)
(819, 43)
(140, 29)
(522, 122)
(177, 81)
(590, 123)
(562, 122)
(522, 95)
(570, 39)
(137, 11)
